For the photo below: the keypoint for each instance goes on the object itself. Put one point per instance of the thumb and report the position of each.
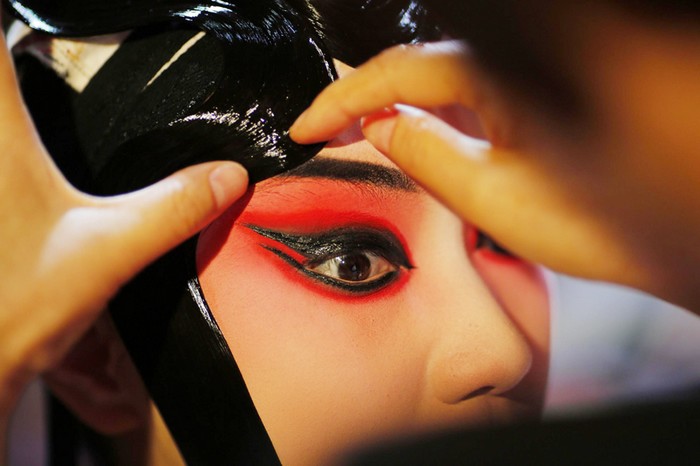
(145, 224)
(95, 245)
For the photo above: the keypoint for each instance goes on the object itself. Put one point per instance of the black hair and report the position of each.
(356, 31)
(232, 98)
(232, 95)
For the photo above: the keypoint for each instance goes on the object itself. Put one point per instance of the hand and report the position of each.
(584, 210)
(63, 254)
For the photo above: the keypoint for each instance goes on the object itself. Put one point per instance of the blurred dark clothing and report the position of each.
(663, 433)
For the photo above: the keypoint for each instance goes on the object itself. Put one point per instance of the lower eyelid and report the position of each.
(360, 289)
(383, 270)
(363, 288)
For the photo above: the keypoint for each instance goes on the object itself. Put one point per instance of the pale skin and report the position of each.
(614, 200)
(64, 253)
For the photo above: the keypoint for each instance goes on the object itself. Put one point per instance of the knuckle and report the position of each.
(396, 52)
(394, 58)
(384, 62)
(454, 48)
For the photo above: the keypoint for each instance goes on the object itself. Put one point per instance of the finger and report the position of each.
(146, 224)
(21, 150)
(11, 107)
(453, 167)
(531, 211)
(92, 248)
(424, 75)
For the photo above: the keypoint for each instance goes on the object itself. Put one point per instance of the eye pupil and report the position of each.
(354, 267)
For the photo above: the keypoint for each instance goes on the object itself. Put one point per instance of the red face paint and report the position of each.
(312, 208)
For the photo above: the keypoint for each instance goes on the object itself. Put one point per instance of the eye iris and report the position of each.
(353, 267)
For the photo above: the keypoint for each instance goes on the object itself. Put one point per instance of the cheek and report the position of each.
(264, 315)
(294, 345)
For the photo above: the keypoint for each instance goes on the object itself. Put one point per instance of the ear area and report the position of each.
(98, 382)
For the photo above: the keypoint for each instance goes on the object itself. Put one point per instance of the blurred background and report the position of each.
(610, 346)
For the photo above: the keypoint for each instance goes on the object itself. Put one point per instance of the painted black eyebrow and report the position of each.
(353, 171)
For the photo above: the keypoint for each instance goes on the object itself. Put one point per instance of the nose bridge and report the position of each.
(477, 348)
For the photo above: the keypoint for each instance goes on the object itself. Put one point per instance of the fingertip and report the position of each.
(228, 182)
(296, 131)
(322, 121)
(307, 130)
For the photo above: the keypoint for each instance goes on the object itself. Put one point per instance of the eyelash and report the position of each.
(318, 250)
(484, 241)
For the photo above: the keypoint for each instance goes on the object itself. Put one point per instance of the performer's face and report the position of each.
(358, 308)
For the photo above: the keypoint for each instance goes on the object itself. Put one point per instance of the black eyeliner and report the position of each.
(323, 246)
(351, 287)
(318, 248)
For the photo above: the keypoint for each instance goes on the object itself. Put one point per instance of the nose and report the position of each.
(477, 348)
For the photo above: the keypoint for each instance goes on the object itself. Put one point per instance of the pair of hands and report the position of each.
(64, 254)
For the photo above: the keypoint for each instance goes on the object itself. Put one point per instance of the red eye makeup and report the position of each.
(337, 238)
(356, 259)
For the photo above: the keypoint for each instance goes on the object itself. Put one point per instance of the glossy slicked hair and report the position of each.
(355, 31)
(230, 94)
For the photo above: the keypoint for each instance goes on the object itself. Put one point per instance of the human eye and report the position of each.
(356, 259)
(360, 266)
(484, 241)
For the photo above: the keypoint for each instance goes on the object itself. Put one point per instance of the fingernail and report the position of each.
(386, 112)
(378, 127)
(228, 181)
